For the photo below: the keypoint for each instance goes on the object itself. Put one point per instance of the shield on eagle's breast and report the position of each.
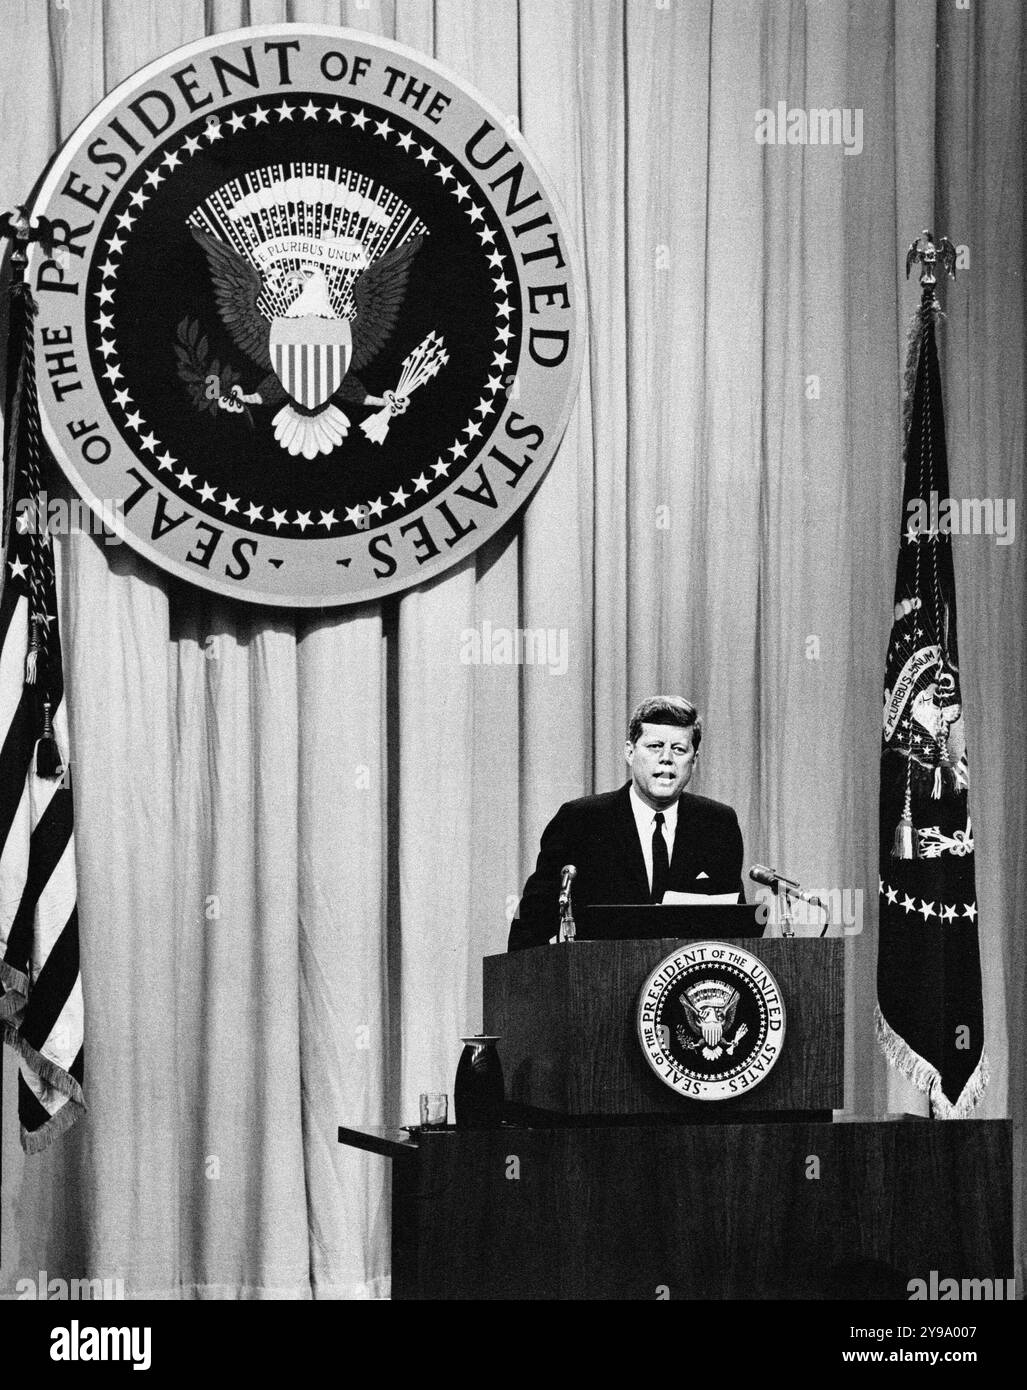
(311, 356)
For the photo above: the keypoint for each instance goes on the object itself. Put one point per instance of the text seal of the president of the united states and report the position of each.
(310, 328)
(711, 1020)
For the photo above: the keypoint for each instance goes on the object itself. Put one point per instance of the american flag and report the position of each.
(40, 984)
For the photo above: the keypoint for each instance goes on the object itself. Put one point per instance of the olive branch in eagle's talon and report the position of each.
(197, 371)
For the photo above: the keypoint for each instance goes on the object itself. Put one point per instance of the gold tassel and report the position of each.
(48, 755)
(936, 790)
(904, 845)
(32, 655)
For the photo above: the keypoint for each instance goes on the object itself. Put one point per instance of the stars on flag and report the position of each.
(941, 911)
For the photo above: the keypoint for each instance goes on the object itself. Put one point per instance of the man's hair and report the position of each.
(666, 709)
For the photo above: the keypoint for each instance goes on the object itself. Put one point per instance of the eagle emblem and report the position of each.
(309, 276)
(710, 1009)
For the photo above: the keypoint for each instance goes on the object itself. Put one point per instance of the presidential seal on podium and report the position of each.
(711, 1021)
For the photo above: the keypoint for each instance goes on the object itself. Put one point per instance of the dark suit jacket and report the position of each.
(598, 835)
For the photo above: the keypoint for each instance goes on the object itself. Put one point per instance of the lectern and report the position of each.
(609, 1181)
(566, 1016)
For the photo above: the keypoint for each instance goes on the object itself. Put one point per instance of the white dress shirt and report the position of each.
(645, 820)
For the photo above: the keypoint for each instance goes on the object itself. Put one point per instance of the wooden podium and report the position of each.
(609, 1185)
(566, 1017)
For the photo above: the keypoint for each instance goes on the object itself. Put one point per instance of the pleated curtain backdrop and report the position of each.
(297, 835)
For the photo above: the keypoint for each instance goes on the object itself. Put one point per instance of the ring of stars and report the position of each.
(493, 391)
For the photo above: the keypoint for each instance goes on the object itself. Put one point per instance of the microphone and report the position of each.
(567, 876)
(770, 878)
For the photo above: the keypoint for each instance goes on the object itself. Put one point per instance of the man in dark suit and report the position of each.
(632, 845)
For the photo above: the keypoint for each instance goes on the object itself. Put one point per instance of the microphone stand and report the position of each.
(786, 894)
(568, 931)
(787, 920)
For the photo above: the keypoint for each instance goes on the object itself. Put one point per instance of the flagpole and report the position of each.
(930, 1007)
(21, 230)
(42, 1016)
(929, 252)
(16, 227)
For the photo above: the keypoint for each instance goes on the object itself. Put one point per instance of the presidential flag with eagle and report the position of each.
(930, 1015)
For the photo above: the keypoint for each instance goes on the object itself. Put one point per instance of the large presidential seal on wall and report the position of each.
(711, 1021)
(311, 328)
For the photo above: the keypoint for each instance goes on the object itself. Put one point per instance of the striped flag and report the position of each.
(40, 984)
(930, 1016)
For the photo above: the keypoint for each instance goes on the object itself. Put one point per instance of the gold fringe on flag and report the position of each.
(926, 1078)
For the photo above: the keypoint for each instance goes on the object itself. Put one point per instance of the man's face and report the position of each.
(661, 763)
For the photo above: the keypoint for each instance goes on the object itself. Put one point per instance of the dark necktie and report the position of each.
(661, 864)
